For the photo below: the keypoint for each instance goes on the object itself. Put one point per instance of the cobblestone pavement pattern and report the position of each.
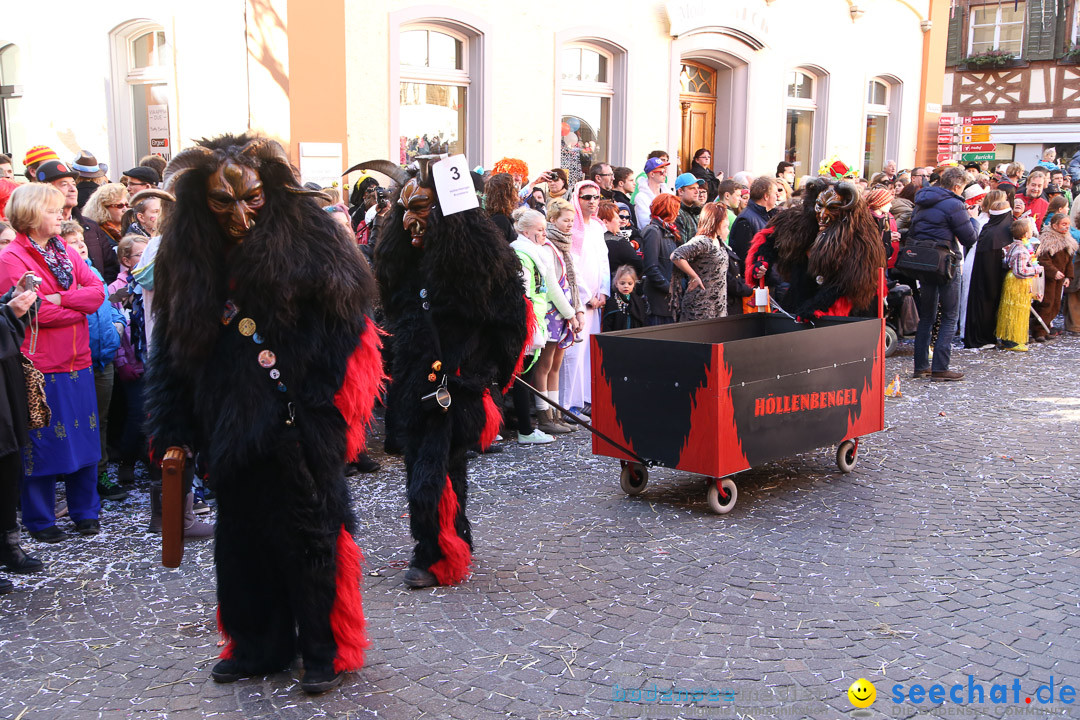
(951, 550)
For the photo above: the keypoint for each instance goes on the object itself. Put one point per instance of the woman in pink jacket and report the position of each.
(58, 343)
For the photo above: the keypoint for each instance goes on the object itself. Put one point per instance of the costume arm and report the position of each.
(689, 251)
(170, 414)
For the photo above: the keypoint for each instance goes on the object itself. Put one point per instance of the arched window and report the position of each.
(590, 77)
(12, 132)
(804, 127)
(434, 89)
(882, 124)
(145, 109)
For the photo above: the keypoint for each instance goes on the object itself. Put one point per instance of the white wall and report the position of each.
(67, 72)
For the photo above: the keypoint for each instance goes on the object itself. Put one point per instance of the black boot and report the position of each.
(6, 586)
(13, 557)
(320, 679)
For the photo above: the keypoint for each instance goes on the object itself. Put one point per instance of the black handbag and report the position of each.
(927, 261)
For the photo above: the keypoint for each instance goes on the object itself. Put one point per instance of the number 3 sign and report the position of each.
(454, 185)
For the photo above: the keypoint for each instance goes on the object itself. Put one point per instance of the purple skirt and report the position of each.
(71, 441)
(558, 329)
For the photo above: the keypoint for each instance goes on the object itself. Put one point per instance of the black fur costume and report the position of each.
(827, 249)
(287, 566)
(470, 279)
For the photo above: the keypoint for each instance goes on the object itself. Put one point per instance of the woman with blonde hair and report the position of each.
(106, 207)
(58, 344)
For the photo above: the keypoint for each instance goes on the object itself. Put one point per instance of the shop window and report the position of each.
(12, 131)
(433, 92)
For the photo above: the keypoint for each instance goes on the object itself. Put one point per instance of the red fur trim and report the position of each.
(492, 421)
(364, 381)
(530, 331)
(454, 565)
(347, 616)
(227, 650)
(841, 307)
(751, 255)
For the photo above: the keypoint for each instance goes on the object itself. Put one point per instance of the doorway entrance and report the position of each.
(697, 101)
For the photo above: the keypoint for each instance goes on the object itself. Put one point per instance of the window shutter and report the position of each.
(954, 50)
(1041, 30)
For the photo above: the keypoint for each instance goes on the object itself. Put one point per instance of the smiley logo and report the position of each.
(862, 693)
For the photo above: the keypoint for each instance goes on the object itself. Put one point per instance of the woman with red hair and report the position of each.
(658, 240)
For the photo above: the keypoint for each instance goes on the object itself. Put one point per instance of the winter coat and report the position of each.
(621, 251)
(941, 218)
(1074, 168)
(901, 210)
(99, 246)
(750, 222)
(657, 244)
(104, 340)
(737, 288)
(14, 416)
(1056, 252)
(623, 312)
(63, 342)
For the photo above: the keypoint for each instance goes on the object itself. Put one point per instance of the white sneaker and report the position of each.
(536, 437)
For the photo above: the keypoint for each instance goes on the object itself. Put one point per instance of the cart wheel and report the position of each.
(892, 343)
(726, 487)
(847, 455)
(633, 478)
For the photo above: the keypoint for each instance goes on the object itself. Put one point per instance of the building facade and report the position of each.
(1017, 60)
(754, 81)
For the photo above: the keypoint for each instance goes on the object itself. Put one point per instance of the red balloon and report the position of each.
(565, 129)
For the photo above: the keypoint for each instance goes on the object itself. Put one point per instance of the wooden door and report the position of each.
(697, 101)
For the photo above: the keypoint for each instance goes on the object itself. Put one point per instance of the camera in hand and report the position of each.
(383, 196)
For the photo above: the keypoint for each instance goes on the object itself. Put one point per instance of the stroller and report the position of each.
(901, 316)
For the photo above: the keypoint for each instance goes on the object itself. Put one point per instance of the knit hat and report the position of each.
(52, 170)
(39, 154)
(88, 166)
(879, 197)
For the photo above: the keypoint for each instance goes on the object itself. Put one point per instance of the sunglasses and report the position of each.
(119, 205)
(589, 197)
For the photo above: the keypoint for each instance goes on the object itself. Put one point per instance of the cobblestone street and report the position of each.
(953, 549)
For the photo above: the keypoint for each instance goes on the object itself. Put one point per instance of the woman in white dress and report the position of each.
(594, 285)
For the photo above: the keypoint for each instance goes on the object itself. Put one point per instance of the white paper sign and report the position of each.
(454, 185)
(761, 297)
(320, 163)
(157, 121)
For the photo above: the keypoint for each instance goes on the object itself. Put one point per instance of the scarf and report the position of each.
(112, 230)
(562, 243)
(57, 259)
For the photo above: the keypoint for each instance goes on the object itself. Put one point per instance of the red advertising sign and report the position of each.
(980, 120)
(948, 120)
(945, 157)
(979, 147)
(946, 139)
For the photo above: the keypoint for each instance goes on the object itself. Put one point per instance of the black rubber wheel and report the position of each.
(846, 456)
(892, 342)
(633, 478)
(719, 505)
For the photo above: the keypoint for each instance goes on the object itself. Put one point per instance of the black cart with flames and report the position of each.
(717, 397)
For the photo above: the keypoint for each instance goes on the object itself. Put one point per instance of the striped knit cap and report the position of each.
(39, 154)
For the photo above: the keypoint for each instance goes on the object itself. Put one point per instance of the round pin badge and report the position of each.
(275, 374)
(257, 338)
(267, 359)
(247, 327)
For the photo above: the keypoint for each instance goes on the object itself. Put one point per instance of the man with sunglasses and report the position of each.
(655, 177)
